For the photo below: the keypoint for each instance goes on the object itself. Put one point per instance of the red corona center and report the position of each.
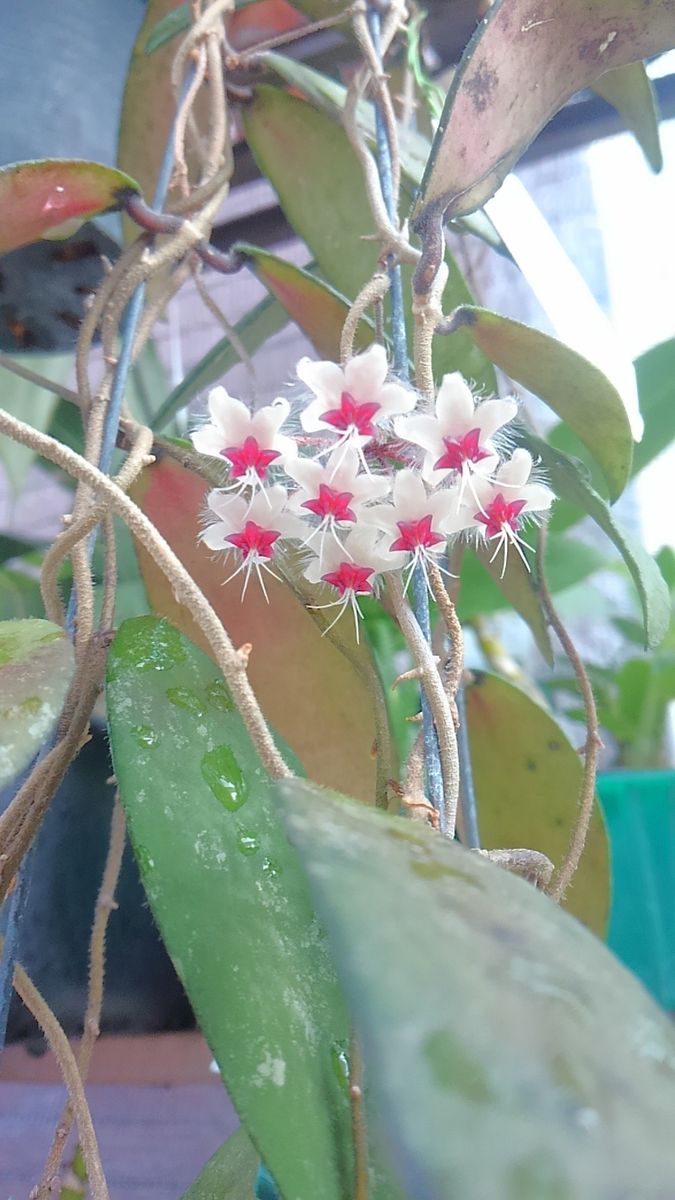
(460, 450)
(331, 503)
(350, 578)
(500, 513)
(415, 535)
(254, 540)
(250, 456)
(351, 415)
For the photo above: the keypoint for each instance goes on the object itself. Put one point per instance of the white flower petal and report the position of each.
(208, 439)
(516, 471)
(393, 398)
(365, 373)
(422, 430)
(230, 509)
(538, 497)
(491, 415)
(306, 472)
(454, 405)
(325, 379)
(311, 416)
(233, 417)
(410, 496)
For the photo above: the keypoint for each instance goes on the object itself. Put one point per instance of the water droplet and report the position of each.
(144, 859)
(221, 771)
(218, 694)
(340, 1063)
(186, 698)
(149, 645)
(248, 842)
(270, 868)
(145, 736)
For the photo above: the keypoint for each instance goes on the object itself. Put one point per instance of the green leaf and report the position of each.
(568, 562)
(520, 1062)
(517, 585)
(53, 197)
(328, 94)
(36, 667)
(20, 595)
(246, 944)
(177, 20)
(517, 71)
(575, 389)
(261, 323)
(30, 403)
(291, 140)
(568, 482)
(655, 371)
(314, 306)
(527, 776)
(11, 547)
(230, 1173)
(629, 90)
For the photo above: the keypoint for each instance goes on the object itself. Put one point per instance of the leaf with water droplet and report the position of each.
(36, 667)
(509, 1054)
(235, 914)
(53, 197)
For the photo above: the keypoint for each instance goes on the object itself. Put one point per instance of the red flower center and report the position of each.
(331, 503)
(501, 513)
(250, 456)
(350, 578)
(415, 535)
(352, 416)
(460, 450)
(254, 540)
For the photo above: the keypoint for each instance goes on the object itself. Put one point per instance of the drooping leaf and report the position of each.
(527, 776)
(261, 323)
(36, 667)
(523, 1060)
(319, 698)
(176, 20)
(247, 946)
(518, 587)
(629, 90)
(575, 389)
(53, 197)
(655, 371)
(291, 140)
(20, 595)
(568, 481)
(490, 118)
(314, 306)
(414, 147)
(568, 562)
(230, 1173)
(30, 403)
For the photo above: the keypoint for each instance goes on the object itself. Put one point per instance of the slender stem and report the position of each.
(564, 874)
(57, 389)
(434, 772)
(358, 1121)
(60, 1047)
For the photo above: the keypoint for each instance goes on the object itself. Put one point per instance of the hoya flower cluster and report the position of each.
(364, 482)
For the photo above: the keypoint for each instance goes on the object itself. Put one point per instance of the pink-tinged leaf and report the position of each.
(319, 695)
(523, 63)
(53, 197)
(316, 308)
(629, 90)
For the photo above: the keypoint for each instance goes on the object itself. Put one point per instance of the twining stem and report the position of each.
(105, 904)
(231, 662)
(359, 1131)
(60, 1047)
(564, 874)
(438, 701)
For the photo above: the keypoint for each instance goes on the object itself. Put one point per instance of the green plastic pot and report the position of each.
(639, 808)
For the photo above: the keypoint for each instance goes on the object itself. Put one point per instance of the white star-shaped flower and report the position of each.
(505, 501)
(253, 529)
(352, 402)
(334, 493)
(250, 442)
(418, 522)
(459, 437)
(350, 569)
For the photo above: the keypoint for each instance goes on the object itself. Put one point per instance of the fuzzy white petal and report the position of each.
(454, 405)
(208, 439)
(538, 497)
(215, 536)
(365, 374)
(516, 471)
(422, 430)
(233, 417)
(325, 379)
(491, 415)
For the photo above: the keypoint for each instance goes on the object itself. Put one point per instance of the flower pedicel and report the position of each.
(368, 484)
